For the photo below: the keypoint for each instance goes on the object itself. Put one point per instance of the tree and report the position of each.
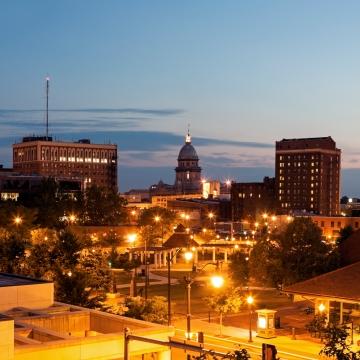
(336, 345)
(12, 252)
(317, 324)
(225, 302)
(152, 310)
(41, 235)
(67, 249)
(264, 262)
(345, 232)
(239, 268)
(94, 263)
(239, 354)
(302, 252)
(39, 263)
(16, 218)
(71, 288)
(103, 206)
(293, 253)
(156, 223)
(47, 203)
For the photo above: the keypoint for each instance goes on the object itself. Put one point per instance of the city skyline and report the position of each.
(242, 74)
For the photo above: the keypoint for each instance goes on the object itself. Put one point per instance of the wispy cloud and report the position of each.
(15, 122)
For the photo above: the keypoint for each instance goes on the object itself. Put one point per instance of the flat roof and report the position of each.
(16, 280)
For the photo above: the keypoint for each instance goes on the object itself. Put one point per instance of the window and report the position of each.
(332, 224)
(322, 224)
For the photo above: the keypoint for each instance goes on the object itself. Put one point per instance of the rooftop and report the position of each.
(343, 283)
(16, 280)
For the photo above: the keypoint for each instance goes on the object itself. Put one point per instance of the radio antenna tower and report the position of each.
(47, 79)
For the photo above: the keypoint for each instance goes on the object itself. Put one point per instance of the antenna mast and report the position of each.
(47, 107)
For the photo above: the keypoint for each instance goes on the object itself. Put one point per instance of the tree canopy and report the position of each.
(294, 253)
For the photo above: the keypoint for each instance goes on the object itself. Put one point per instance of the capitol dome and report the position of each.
(188, 152)
(188, 171)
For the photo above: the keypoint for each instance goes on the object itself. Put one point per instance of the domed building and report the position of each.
(188, 171)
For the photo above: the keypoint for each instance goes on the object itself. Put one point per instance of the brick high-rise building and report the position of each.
(250, 200)
(308, 176)
(90, 163)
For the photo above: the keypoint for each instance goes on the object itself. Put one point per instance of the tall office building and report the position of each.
(90, 163)
(308, 176)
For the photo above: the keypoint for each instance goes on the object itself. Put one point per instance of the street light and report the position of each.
(17, 220)
(72, 218)
(250, 301)
(131, 238)
(211, 217)
(169, 260)
(321, 308)
(217, 281)
(188, 255)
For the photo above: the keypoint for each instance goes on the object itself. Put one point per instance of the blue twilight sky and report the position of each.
(243, 73)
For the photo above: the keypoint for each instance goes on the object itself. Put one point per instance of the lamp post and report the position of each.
(146, 268)
(211, 217)
(217, 281)
(131, 239)
(250, 301)
(188, 256)
(157, 219)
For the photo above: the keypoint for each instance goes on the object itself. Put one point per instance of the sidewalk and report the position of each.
(159, 280)
(234, 336)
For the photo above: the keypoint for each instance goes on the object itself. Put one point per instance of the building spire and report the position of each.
(188, 136)
(47, 79)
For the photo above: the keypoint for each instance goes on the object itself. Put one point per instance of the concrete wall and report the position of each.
(108, 323)
(74, 323)
(32, 296)
(100, 348)
(6, 339)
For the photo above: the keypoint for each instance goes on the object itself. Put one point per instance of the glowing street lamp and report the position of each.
(72, 218)
(250, 301)
(17, 220)
(157, 218)
(188, 255)
(321, 308)
(217, 281)
(131, 238)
